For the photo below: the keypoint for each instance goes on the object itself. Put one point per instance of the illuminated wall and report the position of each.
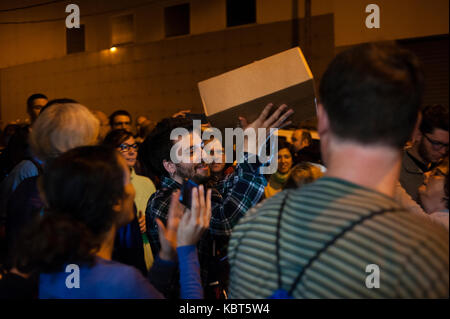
(155, 76)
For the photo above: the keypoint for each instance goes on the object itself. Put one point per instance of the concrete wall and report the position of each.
(33, 56)
(157, 78)
(27, 43)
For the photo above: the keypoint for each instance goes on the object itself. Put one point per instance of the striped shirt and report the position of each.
(411, 253)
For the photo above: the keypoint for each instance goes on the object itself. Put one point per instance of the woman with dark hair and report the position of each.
(88, 196)
(132, 245)
(277, 180)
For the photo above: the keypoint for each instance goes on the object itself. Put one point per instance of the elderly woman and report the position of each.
(59, 127)
(129, 236)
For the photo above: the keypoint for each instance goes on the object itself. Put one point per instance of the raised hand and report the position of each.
(168, 233)
(195, 221)
(276, 120)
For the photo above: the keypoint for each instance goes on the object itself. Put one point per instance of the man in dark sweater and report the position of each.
(430, 147)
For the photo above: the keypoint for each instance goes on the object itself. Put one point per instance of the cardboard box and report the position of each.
(282, 78)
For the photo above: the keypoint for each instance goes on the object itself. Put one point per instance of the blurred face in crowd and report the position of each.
(139, 121)
(125, 207)
(217, 155)
(284, 161)
(122, 122)
(296, 139)
(432, 191)
(129, 149)
(104, 124)
(36, 107)
(433, 146)
(196, 169)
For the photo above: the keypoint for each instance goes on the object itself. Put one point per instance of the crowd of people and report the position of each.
(79, 188)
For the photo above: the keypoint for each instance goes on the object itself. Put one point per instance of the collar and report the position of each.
(170, 183)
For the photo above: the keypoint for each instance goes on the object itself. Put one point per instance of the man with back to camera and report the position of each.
(344, 236)
(429, 148)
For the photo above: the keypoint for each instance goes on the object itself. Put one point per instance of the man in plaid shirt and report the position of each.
(230, 200)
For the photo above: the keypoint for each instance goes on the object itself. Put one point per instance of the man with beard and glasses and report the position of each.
(230, 200)
(430, 147)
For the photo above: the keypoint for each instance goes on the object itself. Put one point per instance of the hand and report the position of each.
(181, 113)
(141, 220)
(195, 221)
(168, 233)
(276, 121)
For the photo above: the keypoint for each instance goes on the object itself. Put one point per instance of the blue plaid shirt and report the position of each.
(230, 200)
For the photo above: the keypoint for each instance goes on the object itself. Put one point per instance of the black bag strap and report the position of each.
(320, 251)
(38, 166)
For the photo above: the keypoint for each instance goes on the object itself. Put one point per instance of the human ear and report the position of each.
(169, 167)
(323, 123)
(417, 134)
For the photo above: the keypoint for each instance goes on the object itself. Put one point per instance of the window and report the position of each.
(75, 39)
(241, 12)
(122, 29)
(177, 20)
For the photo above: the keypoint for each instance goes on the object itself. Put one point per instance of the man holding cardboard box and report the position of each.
(230, 201)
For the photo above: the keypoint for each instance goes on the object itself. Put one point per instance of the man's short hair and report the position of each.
(156, 147)
(372, 94)
(434, 116)
(116, 113)
(34, 97)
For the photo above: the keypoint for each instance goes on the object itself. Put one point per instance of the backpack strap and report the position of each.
(299, 277)
(38, 166)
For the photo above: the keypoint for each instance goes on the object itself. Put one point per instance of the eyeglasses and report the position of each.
(127, 147)
(436, 144)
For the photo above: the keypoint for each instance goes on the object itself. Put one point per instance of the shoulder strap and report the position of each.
(320, 251)
(38, 166)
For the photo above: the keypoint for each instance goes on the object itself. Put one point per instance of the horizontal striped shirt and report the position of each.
(411, 253)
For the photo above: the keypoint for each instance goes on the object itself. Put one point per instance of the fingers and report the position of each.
(285, 124)
(243, 122)
(282, 118)
(275, 116)
(161, 228)
(201, 195)
(175, 208)
(195, 208)
(207, 216)
(262, 117)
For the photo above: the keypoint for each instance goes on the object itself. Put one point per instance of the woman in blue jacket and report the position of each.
(88, 196)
